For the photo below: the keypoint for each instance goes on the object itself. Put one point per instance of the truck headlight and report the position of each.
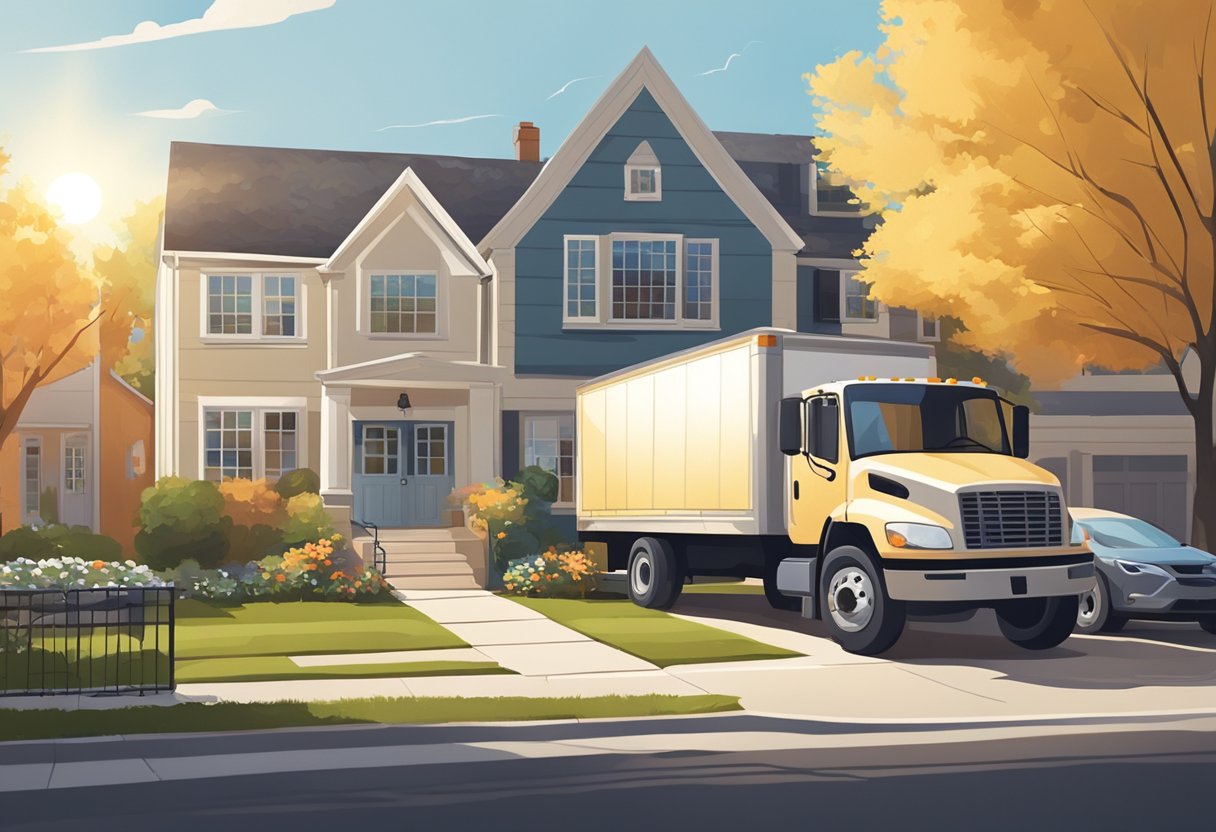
(918, 536)
(1132, 567)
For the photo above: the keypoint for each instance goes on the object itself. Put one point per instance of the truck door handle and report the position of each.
(795, 489)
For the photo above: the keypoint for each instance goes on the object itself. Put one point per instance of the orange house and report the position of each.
(81, 455)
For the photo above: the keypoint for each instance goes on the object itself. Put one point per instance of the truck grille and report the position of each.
(1011, 519)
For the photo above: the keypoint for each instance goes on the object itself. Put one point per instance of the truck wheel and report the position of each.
(1093, 608)
(655, 577)
(1037, 623)
(776, 599)
(859, 614)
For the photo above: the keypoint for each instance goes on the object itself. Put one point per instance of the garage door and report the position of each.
(1153, 488)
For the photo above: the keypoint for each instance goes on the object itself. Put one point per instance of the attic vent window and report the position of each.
(643, 175)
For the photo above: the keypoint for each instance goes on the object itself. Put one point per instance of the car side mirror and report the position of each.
(1021, 431)
(789, 428)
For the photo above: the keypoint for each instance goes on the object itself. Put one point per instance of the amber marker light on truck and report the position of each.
(766, 340)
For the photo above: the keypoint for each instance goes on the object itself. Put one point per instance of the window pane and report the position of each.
(542, 447)
(404, 303)
(228, 439)
(648, 277)
(698, 280)
(227, 297)
(580, 278)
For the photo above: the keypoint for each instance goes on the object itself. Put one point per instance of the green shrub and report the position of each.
(48, 505)
(246, 543)
(307, 519)
(299, 481)
(538, 484)
(182, 519)
(58, 541)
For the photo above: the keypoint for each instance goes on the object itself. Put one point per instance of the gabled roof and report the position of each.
(643, 72)
(434, 221)
(304, 203)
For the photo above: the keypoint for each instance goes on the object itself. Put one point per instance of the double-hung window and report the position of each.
(927, 328)
(31, 491)
(252, 306)
(644, 280)
(643, 175)
(830, 193)
(548, 441)
(250, 442)
(404, 303)
(856, 303)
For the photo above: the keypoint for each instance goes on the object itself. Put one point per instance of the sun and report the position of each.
(77, 196)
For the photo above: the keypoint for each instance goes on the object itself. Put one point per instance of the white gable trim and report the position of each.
(643, 72)
(451, 240)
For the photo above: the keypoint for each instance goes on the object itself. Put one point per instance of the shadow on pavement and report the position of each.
(1146, 654)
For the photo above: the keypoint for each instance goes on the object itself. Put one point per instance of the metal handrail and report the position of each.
(379, 556)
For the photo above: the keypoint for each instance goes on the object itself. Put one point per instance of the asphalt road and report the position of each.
(1142, 779)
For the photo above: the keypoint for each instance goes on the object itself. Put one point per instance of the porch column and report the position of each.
(483, 419)
(335, 446)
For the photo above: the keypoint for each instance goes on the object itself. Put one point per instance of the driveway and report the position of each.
(963, 670)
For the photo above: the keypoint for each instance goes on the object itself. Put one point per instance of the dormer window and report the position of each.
(643, 175)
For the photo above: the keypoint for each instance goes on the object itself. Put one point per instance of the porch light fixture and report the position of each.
(403, 402)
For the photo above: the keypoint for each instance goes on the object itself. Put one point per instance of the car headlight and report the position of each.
(1135, 568)
(918, 536)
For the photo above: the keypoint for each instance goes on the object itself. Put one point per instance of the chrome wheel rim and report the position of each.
(1089, 607)
(851, 599)
(641, 575)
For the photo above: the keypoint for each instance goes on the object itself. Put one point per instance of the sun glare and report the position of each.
(77, 196)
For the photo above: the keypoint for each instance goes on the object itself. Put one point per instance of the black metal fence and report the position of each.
(103, 640)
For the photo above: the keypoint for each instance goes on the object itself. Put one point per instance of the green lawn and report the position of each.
(229, 716)
(655, 636)
(730, 588)
(300, 628)
(275, 668)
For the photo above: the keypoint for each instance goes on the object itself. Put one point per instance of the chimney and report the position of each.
(527, 142)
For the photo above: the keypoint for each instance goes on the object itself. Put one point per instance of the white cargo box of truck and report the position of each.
(687, 443)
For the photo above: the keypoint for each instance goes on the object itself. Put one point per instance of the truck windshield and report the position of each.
(911, 418)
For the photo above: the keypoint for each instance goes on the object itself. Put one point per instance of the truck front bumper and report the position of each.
(990, 583)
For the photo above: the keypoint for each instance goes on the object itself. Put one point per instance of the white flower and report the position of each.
(37, 571)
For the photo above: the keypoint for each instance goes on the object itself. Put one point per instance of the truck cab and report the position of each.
(913, 495)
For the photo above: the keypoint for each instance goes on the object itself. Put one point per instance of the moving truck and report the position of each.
(859, 486)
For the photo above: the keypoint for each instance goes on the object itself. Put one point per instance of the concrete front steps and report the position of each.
(441, 558)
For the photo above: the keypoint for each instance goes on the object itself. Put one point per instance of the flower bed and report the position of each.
(552, 574)
(74, 573)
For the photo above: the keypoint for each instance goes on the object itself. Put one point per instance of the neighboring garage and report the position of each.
(1124, 450)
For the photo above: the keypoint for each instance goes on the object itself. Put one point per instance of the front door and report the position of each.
(76, 505)
(403, 472)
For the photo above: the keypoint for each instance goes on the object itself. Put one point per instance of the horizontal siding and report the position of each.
(593, 203)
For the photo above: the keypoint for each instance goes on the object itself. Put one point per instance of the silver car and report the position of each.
(1142, 573)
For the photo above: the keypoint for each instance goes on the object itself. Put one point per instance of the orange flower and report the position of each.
(501, 535)
(280, 577)
(99, 564)
(535, 577)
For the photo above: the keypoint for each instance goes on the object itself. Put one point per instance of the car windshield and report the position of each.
(907, 418)
(1124, 533)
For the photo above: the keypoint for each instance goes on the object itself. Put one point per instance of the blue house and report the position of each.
(409, 323)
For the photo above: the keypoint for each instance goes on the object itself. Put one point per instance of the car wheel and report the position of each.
(859, 614)
(655, 577)
(1037, 623)
(1208, 625)
(1093, 608)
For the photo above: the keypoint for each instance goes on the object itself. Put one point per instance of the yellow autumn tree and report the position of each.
(1044, 172)
(49, 302)
(129, 273)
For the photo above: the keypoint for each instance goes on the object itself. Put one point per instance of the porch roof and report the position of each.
(413, 368)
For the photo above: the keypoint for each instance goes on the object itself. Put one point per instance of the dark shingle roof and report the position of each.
(303, 203)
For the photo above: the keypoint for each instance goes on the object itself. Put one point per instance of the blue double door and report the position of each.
(403, 472)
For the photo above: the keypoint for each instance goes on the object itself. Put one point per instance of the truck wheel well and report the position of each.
(847, 534)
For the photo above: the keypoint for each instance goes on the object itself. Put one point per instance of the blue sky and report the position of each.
(333, 77)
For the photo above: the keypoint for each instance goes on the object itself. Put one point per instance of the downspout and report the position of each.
(486, 330)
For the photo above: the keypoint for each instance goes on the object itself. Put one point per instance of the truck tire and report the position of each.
(1037, 623)
(860, 615)
(655, 576)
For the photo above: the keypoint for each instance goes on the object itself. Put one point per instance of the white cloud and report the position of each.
(730, 58)
(193, 109)
(220, 15)
(569, 84)
(460, 120)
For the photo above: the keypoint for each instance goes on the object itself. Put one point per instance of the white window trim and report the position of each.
(258, 405)
(712, 321)
(567, 318)
(641, 196)
(256, 337)
(845, 277)
(920, 328)
(442, 278)
(30, 512)
(523, 444)
(603, 284)
(813, 197)
(71, 440)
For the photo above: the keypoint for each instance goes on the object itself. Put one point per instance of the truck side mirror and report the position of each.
(1021, 431)
(825, 429)
(789, 428)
